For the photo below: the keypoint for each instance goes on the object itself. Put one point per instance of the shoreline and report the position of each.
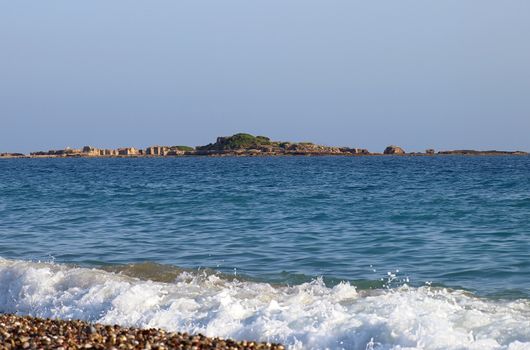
(479, 154)
(27, 332)
(246, 145)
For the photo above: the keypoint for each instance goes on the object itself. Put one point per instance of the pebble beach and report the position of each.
(17, 332)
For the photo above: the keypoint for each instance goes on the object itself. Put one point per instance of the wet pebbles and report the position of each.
(17, 332)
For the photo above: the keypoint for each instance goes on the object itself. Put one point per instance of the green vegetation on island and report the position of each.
(184, 148)
(236, 142)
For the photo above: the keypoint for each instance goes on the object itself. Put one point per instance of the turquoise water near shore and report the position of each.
(430, 232)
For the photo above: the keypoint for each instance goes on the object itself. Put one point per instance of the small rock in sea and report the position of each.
(394, 150)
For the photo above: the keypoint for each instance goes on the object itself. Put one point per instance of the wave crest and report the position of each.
(306, 316)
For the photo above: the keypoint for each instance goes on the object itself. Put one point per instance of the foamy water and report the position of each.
(306, 316)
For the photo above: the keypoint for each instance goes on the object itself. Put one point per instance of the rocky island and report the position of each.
(243, 144)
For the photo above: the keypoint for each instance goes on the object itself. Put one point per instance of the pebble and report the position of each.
(22, 332)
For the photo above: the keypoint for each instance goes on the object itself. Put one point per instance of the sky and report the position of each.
(421, 74)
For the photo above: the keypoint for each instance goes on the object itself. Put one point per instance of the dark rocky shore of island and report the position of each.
(22, 332)
(246, 145)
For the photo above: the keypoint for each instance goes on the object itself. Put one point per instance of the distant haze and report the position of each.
(420, 74)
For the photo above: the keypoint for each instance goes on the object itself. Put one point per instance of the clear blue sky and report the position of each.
(442, 74)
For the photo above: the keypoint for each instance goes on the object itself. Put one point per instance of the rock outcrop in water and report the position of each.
(483, 153)
(394, 150)
(11, 155)
(242, 144)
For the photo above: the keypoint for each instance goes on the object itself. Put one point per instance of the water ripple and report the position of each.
(455, 220)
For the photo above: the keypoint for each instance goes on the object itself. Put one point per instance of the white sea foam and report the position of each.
(307, 316)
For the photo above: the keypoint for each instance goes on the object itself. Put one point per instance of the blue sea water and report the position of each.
(419, 228)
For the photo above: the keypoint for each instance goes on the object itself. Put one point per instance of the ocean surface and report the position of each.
(312, 252)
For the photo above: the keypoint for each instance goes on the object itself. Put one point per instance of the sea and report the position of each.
(365, 253)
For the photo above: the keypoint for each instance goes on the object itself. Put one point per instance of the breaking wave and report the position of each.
(305, 316)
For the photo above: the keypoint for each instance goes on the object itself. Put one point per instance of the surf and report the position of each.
(309, 315)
